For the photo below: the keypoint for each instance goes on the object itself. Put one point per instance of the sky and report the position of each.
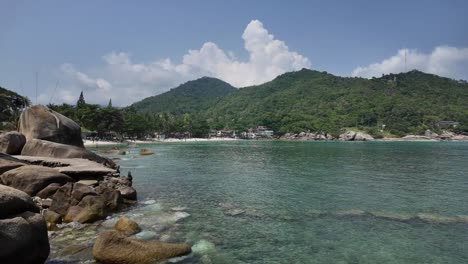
(129, 50)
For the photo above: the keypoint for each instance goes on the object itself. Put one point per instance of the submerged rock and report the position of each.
(113, 247)
(127, 226)
(146, 152)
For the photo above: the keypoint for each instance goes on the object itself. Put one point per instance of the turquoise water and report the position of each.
(312, 202)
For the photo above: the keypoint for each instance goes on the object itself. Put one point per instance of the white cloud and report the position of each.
(127, 81)
(445, 61)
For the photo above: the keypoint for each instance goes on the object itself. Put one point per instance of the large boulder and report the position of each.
(90, 209)
(114, 247)
(39, 122)
(363, 137)
(23, 231)
(31, 179)
(42, 148)
(12, 142)
(348, 136)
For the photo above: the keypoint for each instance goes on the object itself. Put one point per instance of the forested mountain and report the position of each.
(11, 105)
(318, 101)
(405, 103)
(190, 97)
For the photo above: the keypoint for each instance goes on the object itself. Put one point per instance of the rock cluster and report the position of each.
(67, 183)
(307, 136)
(23, 231)
(355, 136)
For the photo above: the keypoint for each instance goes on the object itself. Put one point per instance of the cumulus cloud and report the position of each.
(127, 81)
(445, 61)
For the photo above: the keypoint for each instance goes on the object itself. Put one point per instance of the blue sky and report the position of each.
(127, 50)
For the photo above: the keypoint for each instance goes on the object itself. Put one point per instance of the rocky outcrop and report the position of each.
(42, 148)
(23, 231)
(114, 247)
(39, 122)
(78, 169)
(307, 136)
(32, 179)
(355, 136)
(127, 226)
(12, 142)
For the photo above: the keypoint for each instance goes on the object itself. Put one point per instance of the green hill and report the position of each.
(11, 105)
(310, 100)
(190, 97)
(318, 101)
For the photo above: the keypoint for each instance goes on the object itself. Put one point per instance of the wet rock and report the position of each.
(12, 142)
(23, 231)
(128, 193)
(113, 247)
(90, 209)
(234, 212)
(52, 217)
(127, 226)
(146, 235)
(39, 122)
(32, 179)
(146, 152)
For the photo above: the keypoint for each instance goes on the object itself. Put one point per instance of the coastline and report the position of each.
(89, 143)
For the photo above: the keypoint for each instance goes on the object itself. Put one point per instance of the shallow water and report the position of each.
(309, 202)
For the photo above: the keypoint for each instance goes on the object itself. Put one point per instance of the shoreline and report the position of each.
(88, 143)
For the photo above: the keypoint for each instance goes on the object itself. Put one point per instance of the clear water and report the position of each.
(312, 202)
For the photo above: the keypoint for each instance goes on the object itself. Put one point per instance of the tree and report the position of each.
(81, 101)
(109, 105)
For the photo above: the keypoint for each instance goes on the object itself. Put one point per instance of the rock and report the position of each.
(46, 203)
(31, 179)
(111, 197)
(146, 152)
(113, 247)
(128, 193)
(9, 163)
(348, 136)
(23, 231)
(88, 182)
(12, 142)
(90, 209)
(114, 151)
(42, 148)
(48, 191)
(61, 199)
(146, 235)
(39, 122)
(429, 133)
(52, 217)
(127, 226)
(363, 137)
(78, 169)
(81, 190)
